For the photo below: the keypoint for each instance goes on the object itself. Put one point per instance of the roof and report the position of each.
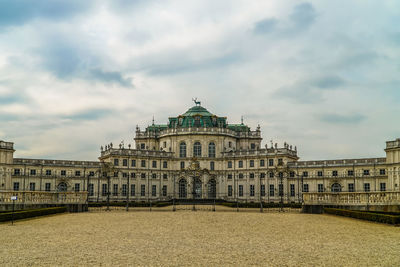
(197, 110)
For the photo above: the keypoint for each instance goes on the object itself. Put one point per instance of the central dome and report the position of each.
(197, 110)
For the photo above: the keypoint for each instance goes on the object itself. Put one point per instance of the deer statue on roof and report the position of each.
(198, 103)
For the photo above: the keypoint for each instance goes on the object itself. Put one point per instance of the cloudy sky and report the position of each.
(322, 75)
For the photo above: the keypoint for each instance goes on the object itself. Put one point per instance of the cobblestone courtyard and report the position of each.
(197, 238)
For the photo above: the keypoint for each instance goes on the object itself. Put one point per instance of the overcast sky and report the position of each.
(321, 75)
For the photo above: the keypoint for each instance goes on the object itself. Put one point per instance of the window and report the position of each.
(271, 175)
(292, 191)
(164, 190)
(165, 164)
(271, 190)
(165, 144)
(77, 187)
(280, 162)
(319, 173)
(197, 149)
(252, 190)
(16, 186)
(104, 189)
(305, 188)
(240, 190)
(212, 165)
(230, 144)
(63, 172)
(291, 174)
(182, 164)
(305, 174)
(142, 190)
(47, 187)
(124, 162)
(91, 173)
(142, 146)
(240, 164)
(77, 173)
(382, 171)
(350, 173)
(48, 172)
(229, 164)
(334, 173)
(197, 121)
(133, 175)
(154, 176)
(33, 172)
(251, 175)
(165, 176)
(17, 172)
(320, 188)
(115, 174)
(133, 163)
(211, 150)
(153, 190)
(91, 190)
(116, 162)
(251, 163)
(229, 176)
(280, 190)
(124, 190)
(280, 174)
(133, 190)
(351, 187)
(262, 190)
(383, 186)
(262, 163)
(366, 187)
(240, 175)
(230, 190)
(32, 186)
(182, 150)
(252, 146)
(271, 162)
(124, 174)
(115, 189)
(143, 163)
(366, 172)
(262, 175)
(154, 164)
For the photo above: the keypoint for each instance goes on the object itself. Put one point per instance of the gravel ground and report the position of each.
(201, 238)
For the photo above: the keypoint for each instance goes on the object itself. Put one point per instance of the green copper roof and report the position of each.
(197, 110)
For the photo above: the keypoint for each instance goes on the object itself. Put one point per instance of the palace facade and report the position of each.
(199, 155)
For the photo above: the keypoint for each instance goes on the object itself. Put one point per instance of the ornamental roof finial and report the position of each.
(198, 103)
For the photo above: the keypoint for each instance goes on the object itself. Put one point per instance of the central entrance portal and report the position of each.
(197, 186)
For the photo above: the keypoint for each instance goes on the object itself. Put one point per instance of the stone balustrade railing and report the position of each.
(352, 198)
(40, 197)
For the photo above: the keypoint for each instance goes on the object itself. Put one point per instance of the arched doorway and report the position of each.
(197, 188)
(212, 188)
(335, 188)
(182, 188)
(62, 187)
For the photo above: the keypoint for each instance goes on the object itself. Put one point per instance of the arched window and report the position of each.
(197, 149)
(182, 150)
(182, 188)
(336, 188)
(211, 150)
(197, 121)
(62, 187)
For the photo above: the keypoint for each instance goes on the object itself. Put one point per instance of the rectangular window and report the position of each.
(319, 173)
(124, 190)
(165, 176)
(280, 190)
(154, 176)
(305, 188)
(305, 174)
(334, 173)
(115, 189)
(182, 165)
(240, 190)
(229, 176)
(142, 146)
(165, 164)
(252, 146)
(271, 175)
(240, 164)
(241, 176)
(230, 190)
(48, 172)
(262, 190)
(63, 172)
(17, 172)
(104, 189)
(252, 190)
(271, 162)
(124, 162)
(164, 190)
(351, 187)
(251, 175)
(116, 162)
(133, 175)
(262, 175)
(320, 188)
(124, 175)
(154, 164)
(91, 173)
(350, 173)
(133, 163)
(153, 190)
(143, 175)
(133, 190)
(212, 165)
(291, 174)
(271, 190)
(33, 172)
(262, 163)
(16, 186)
(367, 187)
(280, 174)
(251, 163)
(115, 174)
(91, 190)
(292, 190)
(47, 187)
(32, 186)
(366, 172)
(382, 171)
(280, 162)
(77, 187)
(143, 163)
(143, 190)
(165, 144)
(383, 186)
(229, 164)
(77, 173)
